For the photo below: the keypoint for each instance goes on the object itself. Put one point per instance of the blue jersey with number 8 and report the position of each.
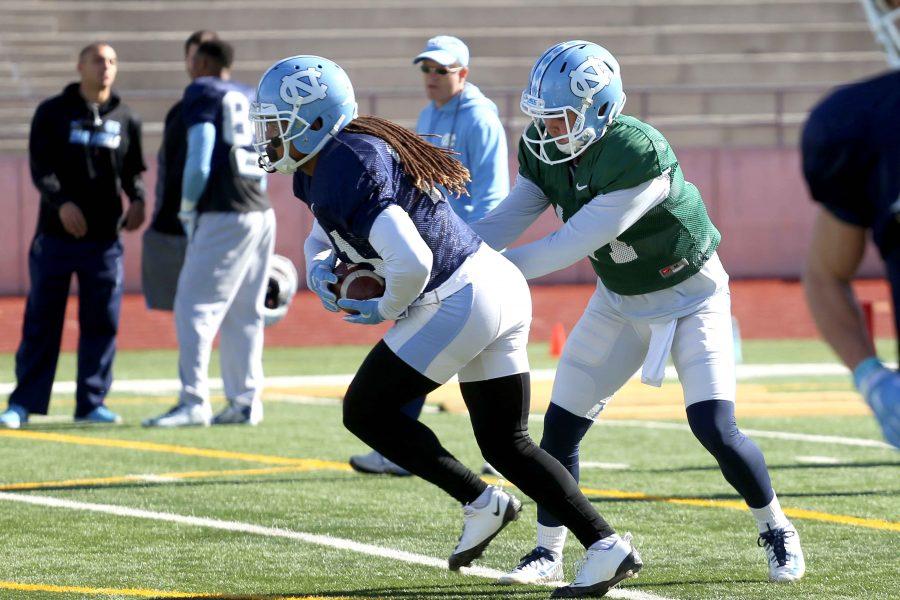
(236, 182)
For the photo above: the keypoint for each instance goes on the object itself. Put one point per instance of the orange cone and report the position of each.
(557, 340)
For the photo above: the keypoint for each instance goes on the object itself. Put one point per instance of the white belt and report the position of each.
(439, 293)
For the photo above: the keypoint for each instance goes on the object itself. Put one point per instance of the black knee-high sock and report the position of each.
(499, 412)
(741, 460)
(563, 432)
(372, 411)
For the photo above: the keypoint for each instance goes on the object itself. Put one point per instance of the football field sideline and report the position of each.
(167, 386)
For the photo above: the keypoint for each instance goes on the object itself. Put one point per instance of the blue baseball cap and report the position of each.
(445, 50)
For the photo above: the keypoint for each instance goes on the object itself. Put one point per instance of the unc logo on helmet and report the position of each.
(578, 103)
(302, 102)
(591, 71)
(296, 91)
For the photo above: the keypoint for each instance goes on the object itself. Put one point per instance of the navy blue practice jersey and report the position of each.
(851, 156)
(356, 177)
(851, 161)
(236, 183)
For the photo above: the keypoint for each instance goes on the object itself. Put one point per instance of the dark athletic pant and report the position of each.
(51, 263)
(498, 409)
(713, 424)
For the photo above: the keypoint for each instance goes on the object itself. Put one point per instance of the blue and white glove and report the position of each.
(188, 220)
(368, 311)
(320, 275)
(880, 387)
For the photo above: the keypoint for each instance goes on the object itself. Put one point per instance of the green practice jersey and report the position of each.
(664, 247)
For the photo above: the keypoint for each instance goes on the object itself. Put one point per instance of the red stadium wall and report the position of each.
(755, 196)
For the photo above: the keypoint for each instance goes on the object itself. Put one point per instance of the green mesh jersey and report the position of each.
(665, 246)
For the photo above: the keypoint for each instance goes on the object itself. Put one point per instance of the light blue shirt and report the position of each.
(469, 124)
(197, 165)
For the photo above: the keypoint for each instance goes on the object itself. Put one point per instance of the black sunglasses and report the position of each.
(439, 70)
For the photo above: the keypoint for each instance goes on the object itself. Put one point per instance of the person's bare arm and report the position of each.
(835, 254)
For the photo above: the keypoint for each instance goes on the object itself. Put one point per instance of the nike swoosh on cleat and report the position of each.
(497, 510)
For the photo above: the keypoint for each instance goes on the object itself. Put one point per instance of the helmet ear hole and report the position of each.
(602, 111)
(317, 124)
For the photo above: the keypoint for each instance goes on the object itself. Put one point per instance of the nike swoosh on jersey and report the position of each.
(580, 187)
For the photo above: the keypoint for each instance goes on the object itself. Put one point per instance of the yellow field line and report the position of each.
(139, 593)
(101, 481)
(315, 464)
(73, 589)
(171, 449)
(799, 513)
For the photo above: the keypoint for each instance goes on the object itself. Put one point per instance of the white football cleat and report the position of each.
(481, 525)
(539, 566)
(782, 546)
(182, 415)
(605, 564)
(234, 414)
(376, 464)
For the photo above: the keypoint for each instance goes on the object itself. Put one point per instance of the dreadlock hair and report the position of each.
(425, 164)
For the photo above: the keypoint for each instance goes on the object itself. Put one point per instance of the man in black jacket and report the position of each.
(164, 242)
(85, 149)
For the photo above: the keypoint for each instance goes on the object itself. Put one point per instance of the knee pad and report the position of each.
(563, 432)
(505, 448)
(714, 425)
(360, 411)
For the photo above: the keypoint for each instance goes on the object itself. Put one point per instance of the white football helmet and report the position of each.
(280, 289)
(884, 19)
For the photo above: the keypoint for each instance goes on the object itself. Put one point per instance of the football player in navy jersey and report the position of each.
(230, 226)
(459, 306)
(851, 161)
(164, 241)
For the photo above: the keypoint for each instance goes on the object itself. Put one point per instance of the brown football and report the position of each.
(357, 282)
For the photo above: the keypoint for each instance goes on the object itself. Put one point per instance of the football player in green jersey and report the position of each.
(617, 186)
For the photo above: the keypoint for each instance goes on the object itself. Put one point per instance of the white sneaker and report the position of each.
(605, 564)
(376, 464)
(182, 415)
(481, 525)
(239, 415)
(782, 546)
(539, 566)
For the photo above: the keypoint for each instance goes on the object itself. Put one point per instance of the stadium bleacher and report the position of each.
(712, 73)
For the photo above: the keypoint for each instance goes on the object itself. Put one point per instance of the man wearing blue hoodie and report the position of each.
(461, 118)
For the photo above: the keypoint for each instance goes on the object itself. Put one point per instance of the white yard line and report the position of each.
(819, 460)
(607, 466)
(759, 433)
(168, 386)
(309, 538)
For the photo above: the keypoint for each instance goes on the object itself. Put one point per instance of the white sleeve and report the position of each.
(595, 225)
(503, 225)
(316, 247)
(407, 260)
